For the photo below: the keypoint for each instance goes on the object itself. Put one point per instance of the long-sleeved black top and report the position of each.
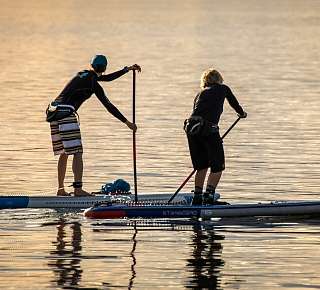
(209, 102)
(84, 84)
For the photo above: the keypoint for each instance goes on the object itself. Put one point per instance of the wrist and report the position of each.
(126, 69)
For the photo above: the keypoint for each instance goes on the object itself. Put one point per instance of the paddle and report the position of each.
(134, 137)
(191, 174)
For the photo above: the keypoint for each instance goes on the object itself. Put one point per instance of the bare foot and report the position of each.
(62, 192)
(81, 192)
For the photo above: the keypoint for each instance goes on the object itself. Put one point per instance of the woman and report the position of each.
(205, 143)
(62, 115)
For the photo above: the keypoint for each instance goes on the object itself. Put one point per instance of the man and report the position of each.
(62, 115)
(205, 144)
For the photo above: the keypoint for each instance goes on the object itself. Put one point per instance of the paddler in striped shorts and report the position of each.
(62, 115)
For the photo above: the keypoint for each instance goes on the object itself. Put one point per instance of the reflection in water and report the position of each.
(133, 258)
(132, 255)
(206, 261)
(65, 260)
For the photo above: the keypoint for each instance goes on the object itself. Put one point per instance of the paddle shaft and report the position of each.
(134, 137)
(194, 170)
(231, 127)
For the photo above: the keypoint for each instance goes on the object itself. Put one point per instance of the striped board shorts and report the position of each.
(66, 136)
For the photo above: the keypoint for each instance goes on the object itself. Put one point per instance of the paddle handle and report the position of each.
(134, 137)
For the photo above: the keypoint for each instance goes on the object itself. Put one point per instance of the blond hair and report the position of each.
(210, 77)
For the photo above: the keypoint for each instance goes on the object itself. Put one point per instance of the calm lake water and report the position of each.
(268, 53)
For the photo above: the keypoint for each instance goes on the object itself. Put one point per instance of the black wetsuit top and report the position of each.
(84, 84)
(209, 103)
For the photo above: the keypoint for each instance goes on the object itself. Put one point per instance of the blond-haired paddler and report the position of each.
(205, 143)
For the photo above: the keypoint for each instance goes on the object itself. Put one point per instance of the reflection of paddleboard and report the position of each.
(84, 202)
(188, 211)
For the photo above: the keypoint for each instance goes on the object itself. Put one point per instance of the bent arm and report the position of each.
(113, 76)
(107, 104)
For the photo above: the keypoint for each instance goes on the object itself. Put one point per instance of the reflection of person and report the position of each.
(67, 261)
(206, 261)
(205, 143)
(65, 132)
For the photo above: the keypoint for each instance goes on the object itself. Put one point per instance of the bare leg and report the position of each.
(62, 167)
(198, 186)
(77, 168)
(209, 195)
(213, 179)
(200, 177)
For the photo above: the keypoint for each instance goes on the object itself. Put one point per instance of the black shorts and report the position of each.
(207, 152)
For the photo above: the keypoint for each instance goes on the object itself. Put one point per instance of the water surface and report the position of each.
(268, 53)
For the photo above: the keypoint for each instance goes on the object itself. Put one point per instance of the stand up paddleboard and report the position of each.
(109, 211)
(15, 201)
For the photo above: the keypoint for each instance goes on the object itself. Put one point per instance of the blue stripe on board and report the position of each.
(14, 202)
(163, 213)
